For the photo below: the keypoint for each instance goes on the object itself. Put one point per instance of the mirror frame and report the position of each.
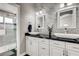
(73, 8)
(37, 16)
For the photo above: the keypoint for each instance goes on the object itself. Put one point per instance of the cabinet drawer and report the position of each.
(57, 43)
(43, 41)
(43, 50)
(72, 46)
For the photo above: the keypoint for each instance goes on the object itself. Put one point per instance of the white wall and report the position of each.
(26, 14)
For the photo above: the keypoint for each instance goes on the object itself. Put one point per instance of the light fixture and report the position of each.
(37, 13)
(41, 12)
(65, 4)
(61, 5)
(69, 3)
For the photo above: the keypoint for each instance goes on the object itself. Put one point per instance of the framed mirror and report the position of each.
(40, 21)
(66, 17)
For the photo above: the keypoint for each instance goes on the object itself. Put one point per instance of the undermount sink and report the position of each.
(73, 36)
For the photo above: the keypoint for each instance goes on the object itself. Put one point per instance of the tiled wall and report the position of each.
(52, 19)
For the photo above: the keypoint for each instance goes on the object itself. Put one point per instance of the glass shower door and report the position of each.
(10, 30)
(2, 30)
(7, 33)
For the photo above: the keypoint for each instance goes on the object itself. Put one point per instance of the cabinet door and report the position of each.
(43, 47)
(56, 48)
(58, 51)
(73, 49)
(73, 53)
(28, 45)
(34, 47)
(43, 50)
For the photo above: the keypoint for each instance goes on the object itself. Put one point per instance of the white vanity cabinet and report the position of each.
(57, 48)
(43, 47)
(28, 45)
(72, 49)
(32, 46)
(46, 47)
(37, 46)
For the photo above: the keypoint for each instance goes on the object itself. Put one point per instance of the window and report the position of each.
(8, 20)
(1, 19)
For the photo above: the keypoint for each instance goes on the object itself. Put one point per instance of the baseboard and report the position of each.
(23, 54)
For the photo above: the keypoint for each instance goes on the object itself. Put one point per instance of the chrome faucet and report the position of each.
(66, 30)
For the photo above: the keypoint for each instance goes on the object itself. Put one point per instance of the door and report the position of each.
(73, 53)
(10, 30)
(43, 47)
(34, 46)
(28, 45)
(7, 29)
(72, 49)
(43, 50)
(57, 51)
(57, 48)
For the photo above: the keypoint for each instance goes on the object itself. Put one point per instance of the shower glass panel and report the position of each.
(1, 30)
(7, 28)
(10, 30)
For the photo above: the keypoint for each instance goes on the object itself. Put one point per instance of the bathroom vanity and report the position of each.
(56, 46)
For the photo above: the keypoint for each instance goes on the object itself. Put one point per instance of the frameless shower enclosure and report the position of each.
(7, 30)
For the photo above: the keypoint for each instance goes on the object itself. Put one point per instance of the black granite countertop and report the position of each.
(71, 40)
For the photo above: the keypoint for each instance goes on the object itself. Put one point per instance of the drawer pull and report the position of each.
(43, 48)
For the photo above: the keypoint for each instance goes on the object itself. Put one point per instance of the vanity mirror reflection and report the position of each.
(40, 20)
(66, 17)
